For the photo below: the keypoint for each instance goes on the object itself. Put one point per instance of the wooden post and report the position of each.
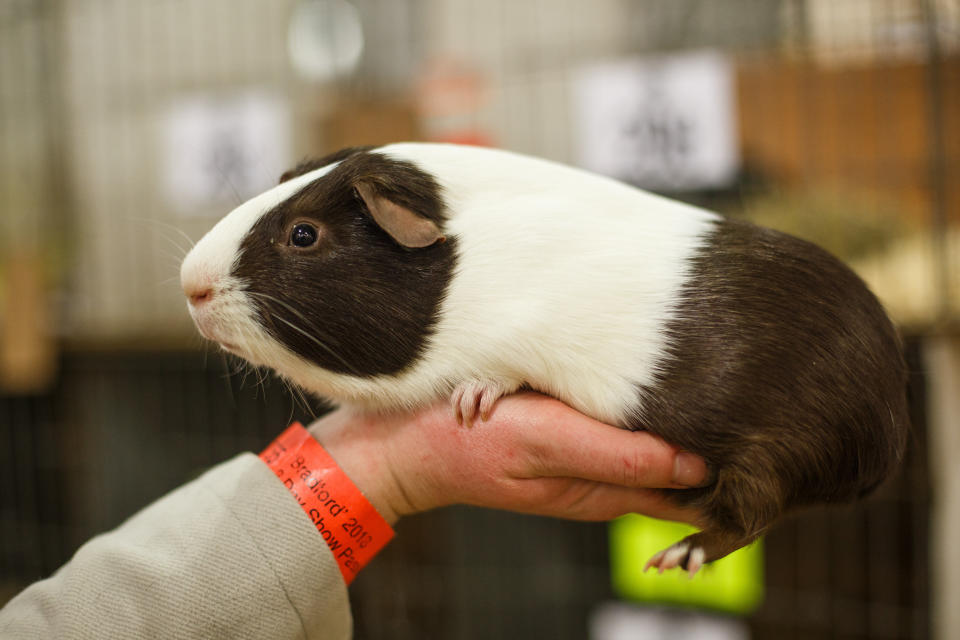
(942, 363)
(27, 348)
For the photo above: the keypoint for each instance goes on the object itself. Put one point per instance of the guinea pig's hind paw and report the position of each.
(679, 555)
(476, 397)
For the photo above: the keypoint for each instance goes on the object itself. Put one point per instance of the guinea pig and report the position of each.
(386, 278)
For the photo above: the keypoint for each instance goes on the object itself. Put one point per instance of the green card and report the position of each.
(733, 584)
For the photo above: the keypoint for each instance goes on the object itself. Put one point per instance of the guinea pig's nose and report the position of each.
(199, 295)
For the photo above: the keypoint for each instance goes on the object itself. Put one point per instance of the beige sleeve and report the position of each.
(229, 555)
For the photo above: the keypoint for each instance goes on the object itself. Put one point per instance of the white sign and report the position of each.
(220, 150)
(664, 123)
(622, 621)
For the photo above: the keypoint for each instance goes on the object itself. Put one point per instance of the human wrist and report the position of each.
(362, 458)
(350, 524)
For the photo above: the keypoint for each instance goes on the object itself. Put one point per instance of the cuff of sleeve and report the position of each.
(301, 560)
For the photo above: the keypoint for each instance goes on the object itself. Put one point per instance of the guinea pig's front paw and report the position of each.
(473, 397)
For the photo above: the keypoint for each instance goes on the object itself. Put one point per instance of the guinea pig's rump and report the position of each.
(786, 375)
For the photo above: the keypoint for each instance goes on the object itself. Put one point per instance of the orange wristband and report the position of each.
(349, 524)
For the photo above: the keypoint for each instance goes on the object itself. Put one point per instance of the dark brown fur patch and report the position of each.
(356, 302)
(312, 164)
(786, 375)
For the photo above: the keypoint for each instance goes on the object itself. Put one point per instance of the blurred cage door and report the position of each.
(100, 98)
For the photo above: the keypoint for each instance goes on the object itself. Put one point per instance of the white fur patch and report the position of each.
(565, 279)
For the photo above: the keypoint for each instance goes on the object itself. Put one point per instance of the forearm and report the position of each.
(232, 554)
(228, 555)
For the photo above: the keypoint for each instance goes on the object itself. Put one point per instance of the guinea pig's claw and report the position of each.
(695, 561)
(455, 400)
(476, 398)
(655, 561)
(678, 555)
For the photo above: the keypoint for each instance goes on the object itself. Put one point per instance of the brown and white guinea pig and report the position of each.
(390, 277)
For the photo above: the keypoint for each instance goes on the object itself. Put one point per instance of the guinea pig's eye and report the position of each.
(303, 235)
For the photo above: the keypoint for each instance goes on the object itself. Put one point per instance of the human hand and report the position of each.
(534, 455)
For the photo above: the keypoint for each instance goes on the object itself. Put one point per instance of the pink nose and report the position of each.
(199, 295)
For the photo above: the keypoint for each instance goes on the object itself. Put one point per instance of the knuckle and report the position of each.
(636, 468)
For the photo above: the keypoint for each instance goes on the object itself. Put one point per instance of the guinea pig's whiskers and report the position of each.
(175, 252)
(240, 368)
(174, 242)
(248, 367)
(299, 398)
(316, 340)
(244, 370)
(226, 179)
(172, 264)
(262, 373)
(228, 376)
(301, 330)
(261, 380)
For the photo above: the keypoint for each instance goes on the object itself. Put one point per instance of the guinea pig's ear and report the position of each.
(407, 227)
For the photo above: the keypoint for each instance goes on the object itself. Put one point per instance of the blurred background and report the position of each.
(128, 127)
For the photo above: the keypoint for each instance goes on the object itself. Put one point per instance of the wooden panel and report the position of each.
(864, 129)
